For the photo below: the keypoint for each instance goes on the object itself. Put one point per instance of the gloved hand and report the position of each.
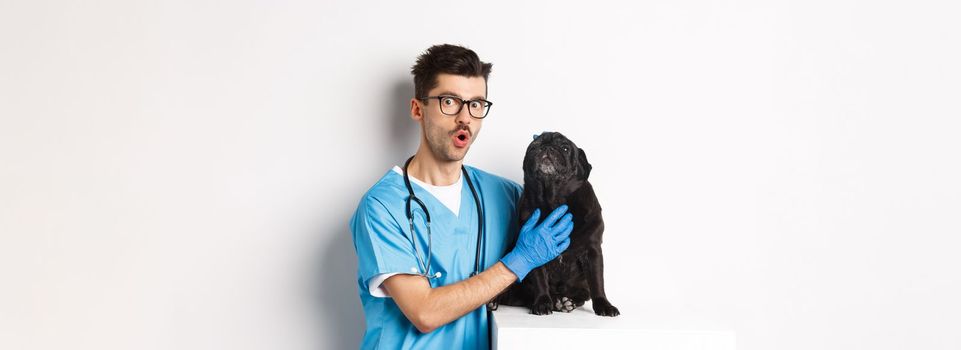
(539, 244)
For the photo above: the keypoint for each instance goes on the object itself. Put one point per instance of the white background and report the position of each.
(179, 174)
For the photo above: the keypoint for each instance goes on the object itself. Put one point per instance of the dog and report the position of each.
(555, 173)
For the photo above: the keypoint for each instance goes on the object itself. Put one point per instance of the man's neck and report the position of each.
(428, 169)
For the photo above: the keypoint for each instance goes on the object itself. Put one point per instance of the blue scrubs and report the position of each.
(381, 239)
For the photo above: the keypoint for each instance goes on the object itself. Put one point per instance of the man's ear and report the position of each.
(585, 167)
(416, 106)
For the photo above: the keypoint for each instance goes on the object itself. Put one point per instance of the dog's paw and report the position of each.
(492, 305)
(602, 307)
(542, 306)
(564, 304)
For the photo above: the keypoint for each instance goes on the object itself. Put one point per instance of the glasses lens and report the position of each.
(449, 105)
(478, 109)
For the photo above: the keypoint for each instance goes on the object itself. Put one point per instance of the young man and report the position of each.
(417, 282)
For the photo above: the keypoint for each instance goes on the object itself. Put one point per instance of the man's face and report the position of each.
(450, 136)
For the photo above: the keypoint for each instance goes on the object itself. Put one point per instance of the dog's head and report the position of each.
(553, 159)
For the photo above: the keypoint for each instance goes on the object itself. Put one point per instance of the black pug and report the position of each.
(555, 173)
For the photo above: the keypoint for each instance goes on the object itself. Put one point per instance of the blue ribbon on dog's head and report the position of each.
(538, 135)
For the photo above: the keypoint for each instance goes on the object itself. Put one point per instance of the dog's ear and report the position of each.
(584, 168)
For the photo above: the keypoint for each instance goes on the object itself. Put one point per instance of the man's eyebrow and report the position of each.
(448, 93)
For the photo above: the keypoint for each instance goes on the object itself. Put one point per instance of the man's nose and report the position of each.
(463, 117)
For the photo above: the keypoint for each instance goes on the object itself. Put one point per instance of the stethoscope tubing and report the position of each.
(425, 265)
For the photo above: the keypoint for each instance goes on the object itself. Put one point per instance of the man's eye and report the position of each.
(474, 104)
(448, 101)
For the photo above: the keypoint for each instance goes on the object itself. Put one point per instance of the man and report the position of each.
(418, 289)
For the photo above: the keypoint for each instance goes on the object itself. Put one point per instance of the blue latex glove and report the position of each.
(539, 244)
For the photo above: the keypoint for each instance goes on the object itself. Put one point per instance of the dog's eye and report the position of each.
(565, 148)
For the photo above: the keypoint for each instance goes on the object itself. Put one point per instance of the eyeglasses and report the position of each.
(451, 105)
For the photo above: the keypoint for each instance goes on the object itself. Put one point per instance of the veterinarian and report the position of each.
(427, 289)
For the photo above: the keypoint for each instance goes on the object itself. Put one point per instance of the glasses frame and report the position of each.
(463, 102)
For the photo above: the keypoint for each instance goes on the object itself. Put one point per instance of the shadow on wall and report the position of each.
(337, 300)
(402, 132)
(335, 286)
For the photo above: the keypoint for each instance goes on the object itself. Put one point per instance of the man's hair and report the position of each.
(449, 59)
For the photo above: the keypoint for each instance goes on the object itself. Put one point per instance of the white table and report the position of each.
(516, 328)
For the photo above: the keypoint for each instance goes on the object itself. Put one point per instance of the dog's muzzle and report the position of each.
(547, 163)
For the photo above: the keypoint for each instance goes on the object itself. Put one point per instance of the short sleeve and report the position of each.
(375, 288)
(382, 246)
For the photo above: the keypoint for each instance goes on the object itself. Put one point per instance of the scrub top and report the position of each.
(383, 245)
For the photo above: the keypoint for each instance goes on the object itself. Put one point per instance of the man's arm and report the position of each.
(429, 308)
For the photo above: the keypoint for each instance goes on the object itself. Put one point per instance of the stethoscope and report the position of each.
(425, 265)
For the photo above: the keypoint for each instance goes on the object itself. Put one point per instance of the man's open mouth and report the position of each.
(461, 138)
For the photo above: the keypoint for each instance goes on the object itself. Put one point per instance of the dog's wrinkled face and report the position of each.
(553, 158)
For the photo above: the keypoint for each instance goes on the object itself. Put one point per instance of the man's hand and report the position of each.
(429, 308)
(537, 245)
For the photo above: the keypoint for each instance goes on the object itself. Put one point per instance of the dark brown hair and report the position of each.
(449, 59)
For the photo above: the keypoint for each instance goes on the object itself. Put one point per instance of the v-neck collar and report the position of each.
(462, 208)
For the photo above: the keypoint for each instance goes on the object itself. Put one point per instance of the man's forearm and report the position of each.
(452, 301)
